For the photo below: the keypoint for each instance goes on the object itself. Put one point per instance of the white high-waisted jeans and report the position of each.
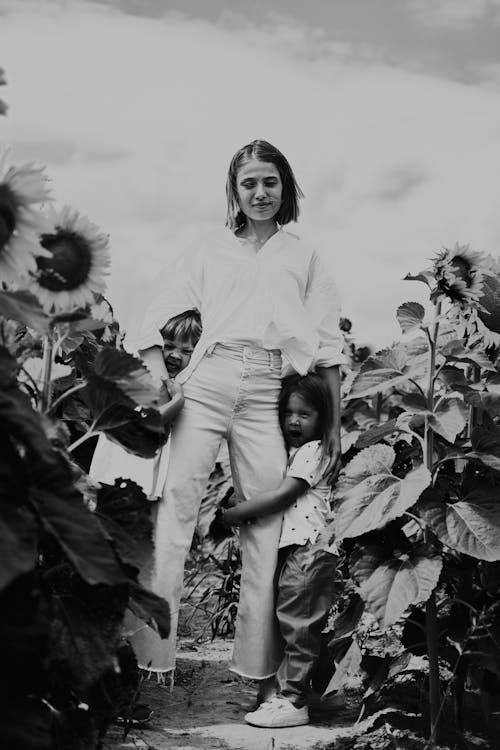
(233, 393)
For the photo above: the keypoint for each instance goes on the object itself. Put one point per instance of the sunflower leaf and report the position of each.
(122, 374)
(449, 418)
(80, 535)
(410, 316)
(150, 608)
(345, 669)
(470, 526)
(426, 277)
(18, 542)
(368, 495)
(26, 309)
(456, 351)
(381, 371)
(389, 586)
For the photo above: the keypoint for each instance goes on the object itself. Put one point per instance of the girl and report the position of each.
(307, 575)
(266, 302)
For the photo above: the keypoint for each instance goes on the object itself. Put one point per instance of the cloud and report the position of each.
(137, 119)
(454, 14)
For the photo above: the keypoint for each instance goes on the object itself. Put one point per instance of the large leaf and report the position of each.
(382, 371)
(456, 351)
(486, 446)
(410, 316)
(140, 432)
(376, 433)
(124, 376)
(81, 537)
(25, 308)
(449, 418)
(470, 526)
(389, 586)
(150, 608)
(368, 495)
(345, 669)
(18, 542)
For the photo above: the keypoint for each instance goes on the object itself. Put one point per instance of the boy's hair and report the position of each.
(186, 326)
(315, 393)
(264, 151)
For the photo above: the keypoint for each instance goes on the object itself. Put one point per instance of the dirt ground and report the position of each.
(207, 706)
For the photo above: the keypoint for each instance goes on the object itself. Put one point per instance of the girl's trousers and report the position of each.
(232, 394)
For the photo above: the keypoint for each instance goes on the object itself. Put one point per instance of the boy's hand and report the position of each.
(173, 388)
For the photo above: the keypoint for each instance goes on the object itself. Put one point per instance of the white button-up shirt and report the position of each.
(279, 297)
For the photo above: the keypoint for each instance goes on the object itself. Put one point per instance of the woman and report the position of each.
(267, 306)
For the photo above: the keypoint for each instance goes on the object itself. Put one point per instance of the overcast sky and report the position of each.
(388, 110)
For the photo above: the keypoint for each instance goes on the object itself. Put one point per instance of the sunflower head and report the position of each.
(78, 259)
(21, 188)
(460, 273)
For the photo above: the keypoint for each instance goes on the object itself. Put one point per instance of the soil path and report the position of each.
(206, 709)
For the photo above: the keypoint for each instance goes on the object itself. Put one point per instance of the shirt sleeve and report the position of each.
(307, 463)
(323, 305)
(177, 289)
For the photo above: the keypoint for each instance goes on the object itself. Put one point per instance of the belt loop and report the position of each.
(211, 348)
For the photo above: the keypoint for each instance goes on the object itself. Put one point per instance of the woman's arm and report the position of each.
(267, 503)
(331, 376)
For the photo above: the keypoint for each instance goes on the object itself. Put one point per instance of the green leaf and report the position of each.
(18, 542)
(374, 434)
(368, 495)
(410, 316)
(470, 526)
(449, 418)
(122, 374)
(389, 586)
(426, 277)
(81, 537)
(380, 372)
(486, 446)
(150, 608)
(345, 669)
(140, 432)
(25, 308)
(456, 351)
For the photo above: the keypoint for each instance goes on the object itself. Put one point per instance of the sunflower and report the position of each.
(484, 322)
(79, 259)
(460, 274)
(21, 188)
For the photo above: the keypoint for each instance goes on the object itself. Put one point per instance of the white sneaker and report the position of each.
(278, 712)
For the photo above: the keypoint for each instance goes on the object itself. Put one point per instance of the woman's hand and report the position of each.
(334, 449)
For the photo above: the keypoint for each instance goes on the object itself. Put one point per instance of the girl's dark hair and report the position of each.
(264, 151)
(316, 394)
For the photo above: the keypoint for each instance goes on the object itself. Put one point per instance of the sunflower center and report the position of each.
(8, 214)
(462, 270)
(70, 263)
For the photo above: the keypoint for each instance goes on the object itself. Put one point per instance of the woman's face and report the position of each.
(259, 188)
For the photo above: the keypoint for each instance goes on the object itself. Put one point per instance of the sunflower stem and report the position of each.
(86, 436)
(63, 396)
(48, 359)
(430, 607)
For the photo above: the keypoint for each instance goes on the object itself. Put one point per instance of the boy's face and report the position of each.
(176, 354)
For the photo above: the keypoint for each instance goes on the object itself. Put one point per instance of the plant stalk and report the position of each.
(432, 632)
(48, 358)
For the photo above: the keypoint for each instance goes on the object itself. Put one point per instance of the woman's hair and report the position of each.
(186, 326)
(263, 151)
(315, 392)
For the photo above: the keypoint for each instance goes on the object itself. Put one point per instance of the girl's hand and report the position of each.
(334, 449)
(234, 500)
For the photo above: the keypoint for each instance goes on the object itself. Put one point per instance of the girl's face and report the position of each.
(301, 422)
(259, 188)
(176, 354)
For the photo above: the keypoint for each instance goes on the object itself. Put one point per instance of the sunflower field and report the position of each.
(417, 506)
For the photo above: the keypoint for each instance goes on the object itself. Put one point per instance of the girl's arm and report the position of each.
(267, 503)
(171, 408)
(331, 376)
